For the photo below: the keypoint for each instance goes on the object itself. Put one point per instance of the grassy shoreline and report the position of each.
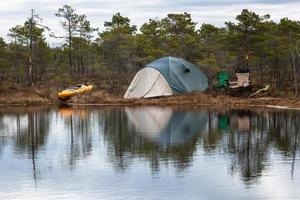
(98, 97)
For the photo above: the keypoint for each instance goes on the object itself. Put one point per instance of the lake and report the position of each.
(148, 153)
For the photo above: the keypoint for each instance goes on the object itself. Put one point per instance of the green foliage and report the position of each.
(151, 41)
(27, 50)
(78, 39)
(174, 35)
(242, 37)
(180, 35)
(21, 34)
(2, 48)
(269, 49)
(212, 44)
(3, 56)
(117, 43)
(69, 20)
(120, 24)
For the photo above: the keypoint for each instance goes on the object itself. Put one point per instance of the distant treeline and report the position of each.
(269, 49)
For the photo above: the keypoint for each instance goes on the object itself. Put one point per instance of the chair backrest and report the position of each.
(223, 78)
(243, 79)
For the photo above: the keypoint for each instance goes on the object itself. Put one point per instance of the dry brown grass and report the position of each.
(192, 99)
(22, 97)
(100, 97)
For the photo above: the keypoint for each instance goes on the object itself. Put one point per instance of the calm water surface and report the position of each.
(148, 153)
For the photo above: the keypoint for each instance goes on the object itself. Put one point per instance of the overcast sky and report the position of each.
(13, 12)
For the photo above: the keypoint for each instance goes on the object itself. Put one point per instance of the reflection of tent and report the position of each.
(164, 126)
(166, 76)
(150, 122)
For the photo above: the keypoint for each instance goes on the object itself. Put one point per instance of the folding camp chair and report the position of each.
(243, 79)
(223, 80)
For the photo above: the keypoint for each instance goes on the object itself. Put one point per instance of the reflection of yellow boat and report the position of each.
(69, 111)
(78, 89)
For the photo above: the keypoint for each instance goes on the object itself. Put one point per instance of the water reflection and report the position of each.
(27, 131)
(165, 126)
(248, 140)
(156, 134)
(79, 124)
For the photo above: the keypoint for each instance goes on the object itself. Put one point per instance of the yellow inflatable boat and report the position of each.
(77, 89)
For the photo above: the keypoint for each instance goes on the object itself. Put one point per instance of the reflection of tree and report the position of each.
(120, 139)
(248, 139)
(2, 139)
(247, 136)
(34, 135)
(27, 131)
(284, 126)
(247, 145)
(285, 133)
(211, 139)
(78, 122)
(250, 148)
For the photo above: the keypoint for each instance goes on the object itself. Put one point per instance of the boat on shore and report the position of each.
(77, 89)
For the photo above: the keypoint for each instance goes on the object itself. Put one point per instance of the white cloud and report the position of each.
(13, 12)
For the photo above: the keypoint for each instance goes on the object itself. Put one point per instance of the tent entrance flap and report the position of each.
(148, 82)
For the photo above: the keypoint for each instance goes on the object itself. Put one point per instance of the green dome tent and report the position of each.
(166, 76)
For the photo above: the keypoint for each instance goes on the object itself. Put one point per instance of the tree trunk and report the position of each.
(261, 71)
(70, 47)
(297, 50)
(295, 74)
(92, 65)
(81, 64)
(30, 67)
